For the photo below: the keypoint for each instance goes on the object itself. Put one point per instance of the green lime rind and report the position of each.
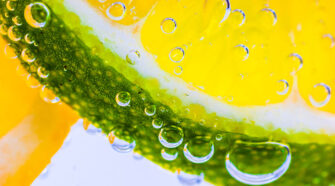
(89, 85)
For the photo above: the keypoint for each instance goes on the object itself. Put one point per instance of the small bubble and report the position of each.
(168, 156)
(218, 137)
(37, 14)
(119, 145)
(29, 38)
(11, 5)
(199, 150)
(3, 29)
(157, 123)
(150, 110)
(48, 96)
(14, 33)
(133, 57)
(178, 70)
(300, 61)
(93, 130)
(189, 179)
(273, 13)
(116, 11)
(11, 52)
(171, 136)
(41, 72)
(168, 25)
(27, 55)
(32, 82)
(243, 15)
(228, 10)
(177, 54)
(285, 87)
(322, 92)
(245, 49)
(123, 98)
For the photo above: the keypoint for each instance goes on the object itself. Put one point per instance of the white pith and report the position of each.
(290, 116)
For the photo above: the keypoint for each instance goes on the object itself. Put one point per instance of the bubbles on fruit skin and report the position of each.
(3, 29)
(326, 100)
(28, 38)
(286, 87)
(41, 72)
(228, 11)
(274, 14)
(189, 179)
(178, 70)
(301, 62)
(37, 14)
(133, 57)
(32, 82)
(177, 54)
(259, 179)
(48, 96)
(27, 55)
(123, 98)
(116, 11)
(243, 15)
(120, 145)
(246, 49)
(150, 110)
(167, 156)
(17, 20)
(11, 5)
(10, 52)
(218, 137)
(14, 33)
(157, 123)
(171, 136)
(168, 25)
(203, 150)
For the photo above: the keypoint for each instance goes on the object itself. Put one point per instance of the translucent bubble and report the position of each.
(93, 130)
(10, 52)
(123, 98)
(273, 13)
(14, 33)
(199, 150)
(11, 5)
(228, 10)
(29, 38)
(17, 20)
(218, 137)
(243, 15)
(171, 136)
(245, 49)
(32, 82)
(257, 179)
(168, 25)
(300, 60)
(48, 96)
(167, 156)
(326, 90)
(133, 57)
(157, 123)
(332, 39)
(27, 55)
(150, 110)
(177, 54)
(3, 29)
(119, 145)
(41, 72)
(283, 83)
(178, 70)
(116, 11)
(189, 179)
(37, 14)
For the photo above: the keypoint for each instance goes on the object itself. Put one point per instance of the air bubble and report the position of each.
(10, 52)
(199, 150)
(297, 56)
(48, 96)
(14, 33)
(327, 98)
(27, 55)
(17, 20)
(3, 29)
(246, 50)
(157, 123)
(11, 5)
(133, 57)
(243, 15)
(218, 137)
(32, 82)
(41, 72)
(190, 179)
(123, 98)
(283, 83)
(274, 14)
(177, 54)
(168, 156)
(332, 39)
(150, 110)
(178, 70)
(258, 179)
(228, 10)
(171, 136)
(116, 11)
(37, 14)
(119, 145)
(29, 38)
(168, 25)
